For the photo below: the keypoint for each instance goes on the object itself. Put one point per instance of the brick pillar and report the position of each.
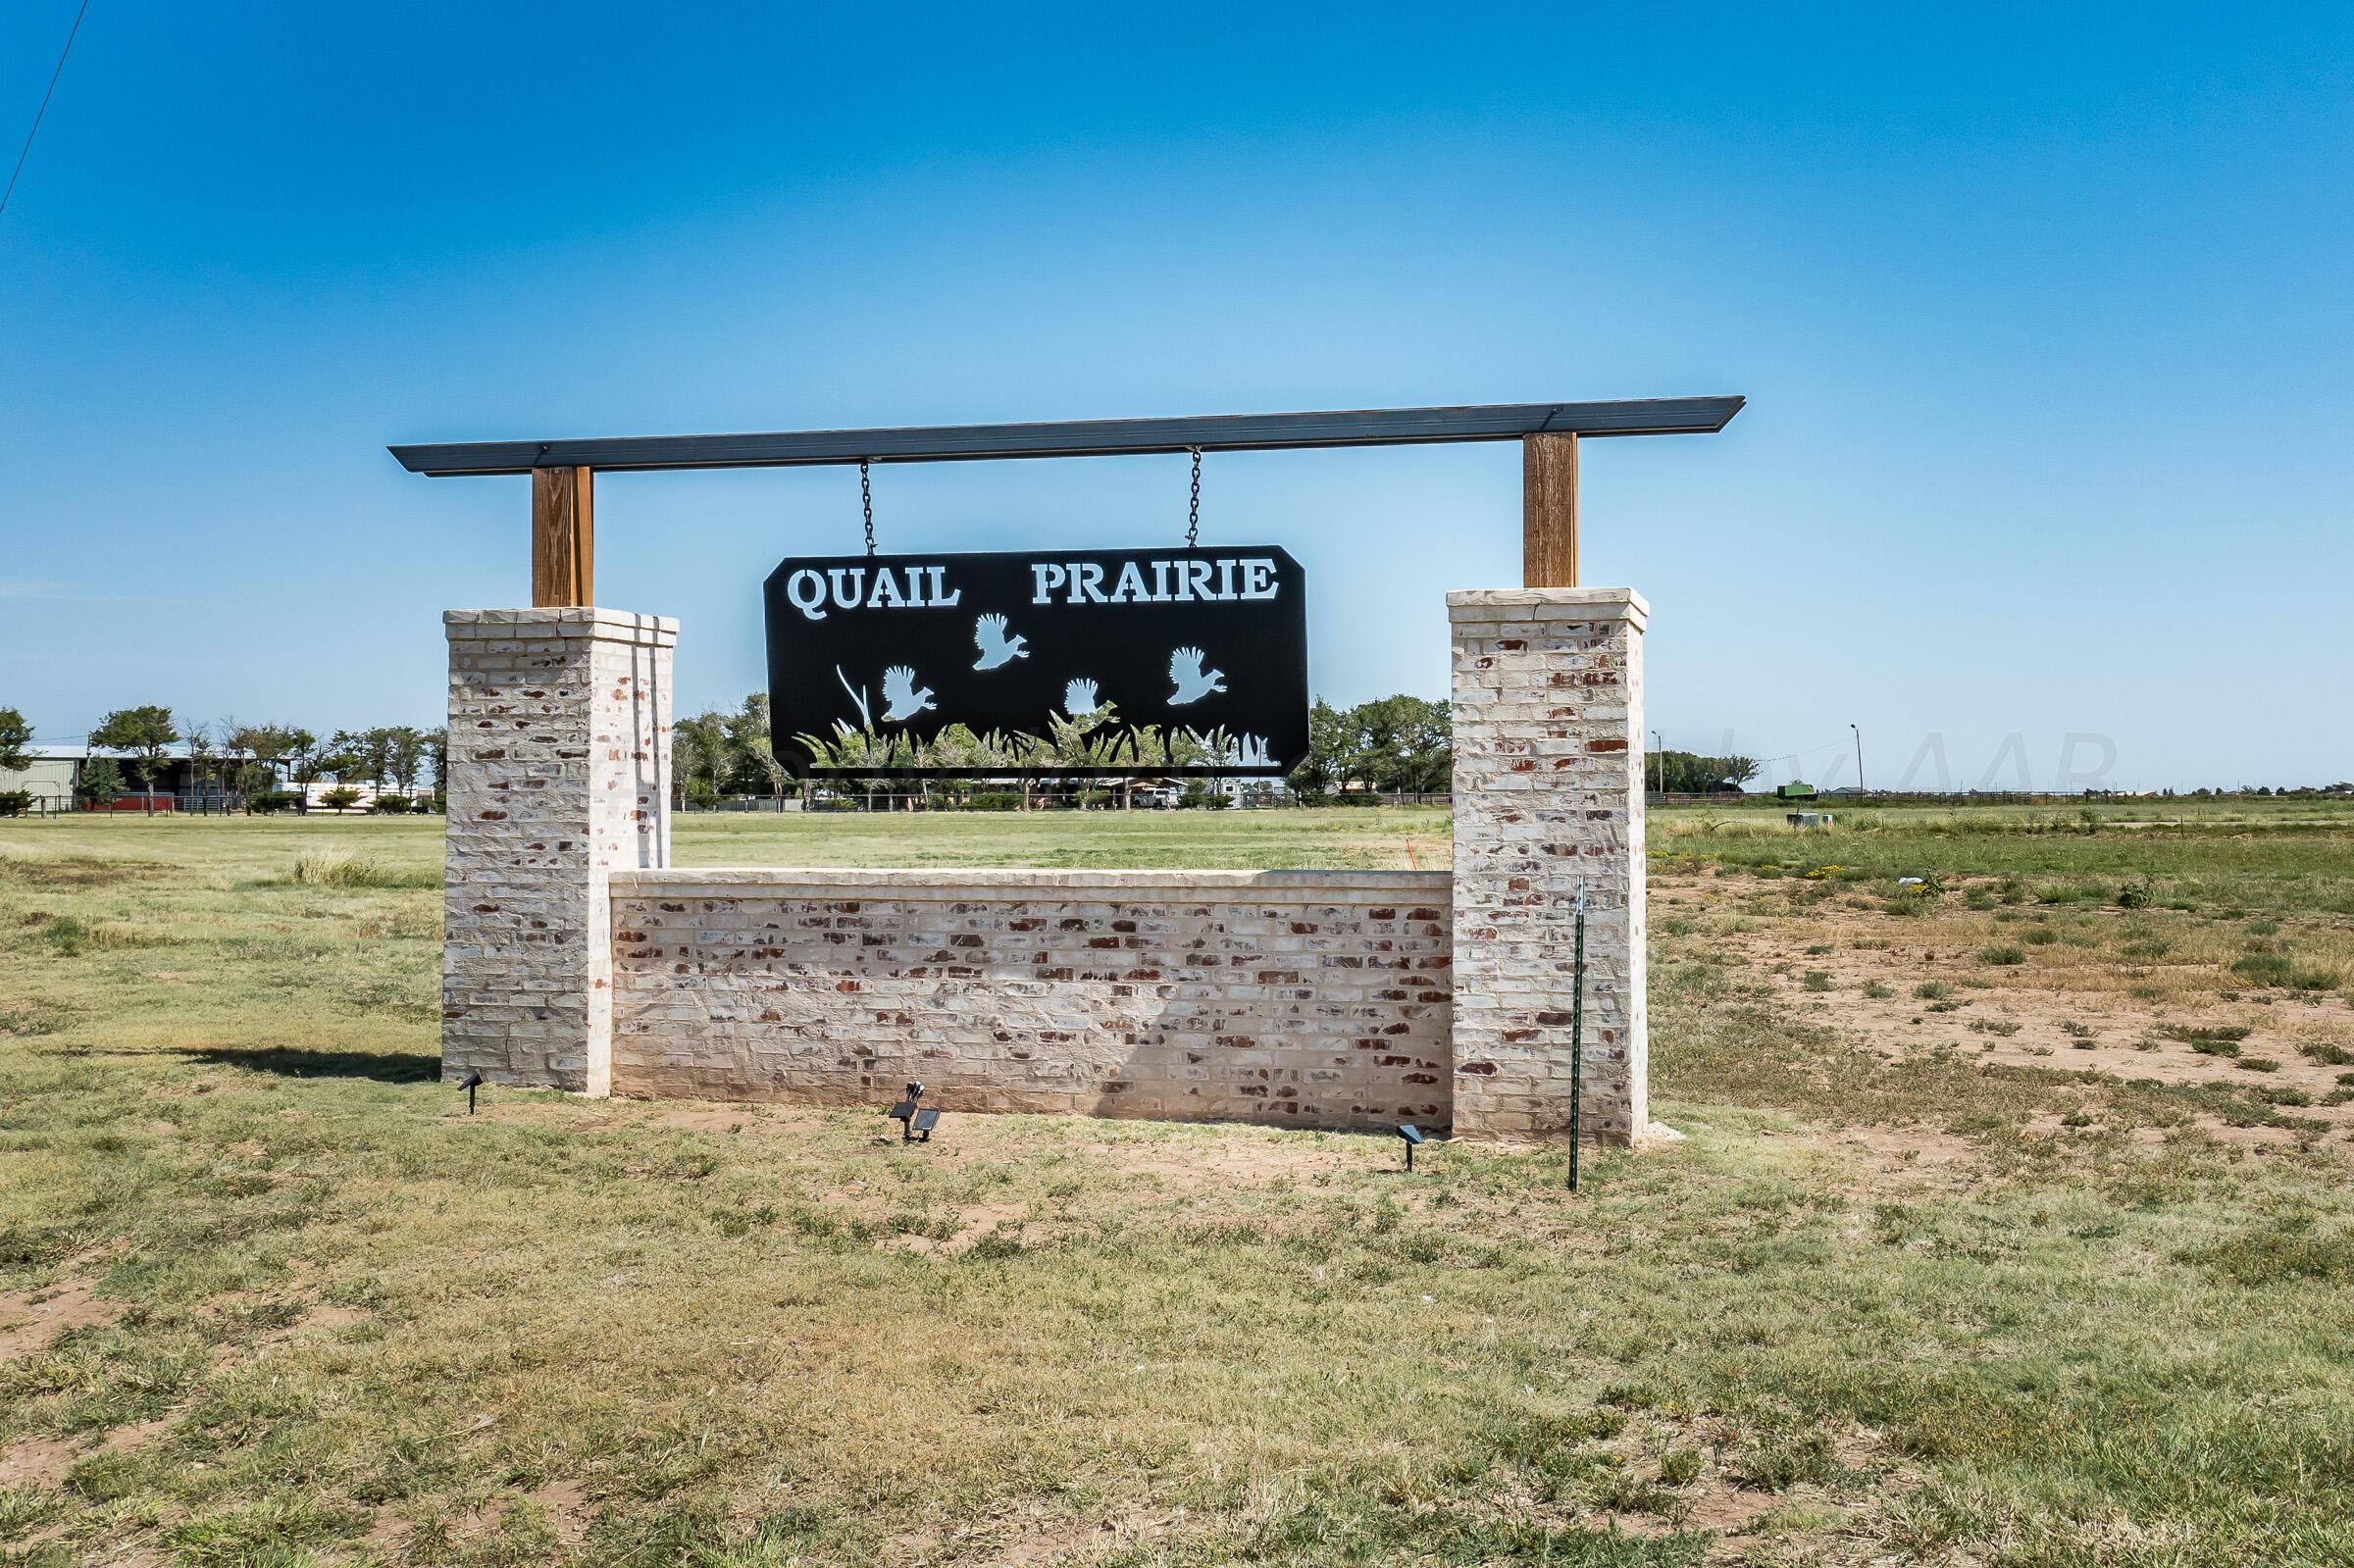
(559, 772)
(1548, 710)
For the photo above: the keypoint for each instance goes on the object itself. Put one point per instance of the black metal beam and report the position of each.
(1214, 433)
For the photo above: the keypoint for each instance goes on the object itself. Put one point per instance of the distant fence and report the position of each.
(190, 803)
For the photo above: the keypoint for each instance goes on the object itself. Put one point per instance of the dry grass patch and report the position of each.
(1896, 1298)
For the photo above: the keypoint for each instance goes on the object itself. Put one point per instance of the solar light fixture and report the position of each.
(920, 1124)
(1411, 1135)
(906, 1114)
(473, 1081)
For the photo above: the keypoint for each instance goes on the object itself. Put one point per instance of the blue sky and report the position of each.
(2043, 316)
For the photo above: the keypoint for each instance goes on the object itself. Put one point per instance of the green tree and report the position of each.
(752, 764)
(348, 758)
(699, 756)
(302, 758)
(16, 740)
(272, 748)
(237, 767)
(1689, 773)
(957, 747)
(147, 732)
(101, 780)
(388, 754)
(1331, 743)
(1406, 745)
(406, 748)
(204, 760)
(268, 744)
(365, 754)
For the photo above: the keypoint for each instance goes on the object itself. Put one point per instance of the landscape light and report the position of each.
(473, 1081)
(904, 1112)
(1412, 1135)
(921, 1123)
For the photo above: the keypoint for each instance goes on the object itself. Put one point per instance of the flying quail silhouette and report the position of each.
(988, 635)
(898, 689)
(1192, 682)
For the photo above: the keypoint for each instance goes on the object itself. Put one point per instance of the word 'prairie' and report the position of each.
(1185, 581)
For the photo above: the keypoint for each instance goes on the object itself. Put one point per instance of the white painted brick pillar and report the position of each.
(1548, 711)
(559, 773)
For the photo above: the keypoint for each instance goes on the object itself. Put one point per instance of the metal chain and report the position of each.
(866, 503)
(1193, 510)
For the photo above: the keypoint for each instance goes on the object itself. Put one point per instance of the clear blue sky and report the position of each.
(2043, 316)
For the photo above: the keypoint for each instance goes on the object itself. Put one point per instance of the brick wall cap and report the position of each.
(1426, 888)
(1549, 604)
(580, 620)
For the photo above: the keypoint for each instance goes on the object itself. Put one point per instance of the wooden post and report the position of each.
(1548, 511)
(563, 536)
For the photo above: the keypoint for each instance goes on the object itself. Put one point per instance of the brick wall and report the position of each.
(573, 961)
(1548, 714)
(559, 762)
(1305, 998)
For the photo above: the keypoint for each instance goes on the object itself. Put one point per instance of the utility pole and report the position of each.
(1859, 756)
(1659, 749)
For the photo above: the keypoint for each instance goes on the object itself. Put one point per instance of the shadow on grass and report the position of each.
(287, 1061)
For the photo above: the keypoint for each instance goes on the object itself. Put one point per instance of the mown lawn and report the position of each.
(267, 1296)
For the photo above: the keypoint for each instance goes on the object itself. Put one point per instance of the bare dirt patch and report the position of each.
(1020, 1536)
(1889, 1150)
(975, 1224)
(29, 1320)
(722, 1119)
(36, 1462)
(386, 1531)
(78, 873)
(1731, 1511)
(618, 1114)
(1866, 975)
(138, 1433)
(1222, 1166)
(564, 1506)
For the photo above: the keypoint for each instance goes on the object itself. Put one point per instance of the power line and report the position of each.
(1791, 756)
(70, 34)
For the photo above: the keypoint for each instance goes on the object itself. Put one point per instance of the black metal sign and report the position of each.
(1081, 662)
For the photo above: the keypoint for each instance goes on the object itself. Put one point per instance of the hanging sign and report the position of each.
(1138, 662)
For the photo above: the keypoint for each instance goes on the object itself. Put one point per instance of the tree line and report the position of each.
(1398, 744)
(1391, 745)
(235, 758)
(1688, 773)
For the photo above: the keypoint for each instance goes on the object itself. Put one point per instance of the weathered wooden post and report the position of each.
(563, 536)
(1548, 510)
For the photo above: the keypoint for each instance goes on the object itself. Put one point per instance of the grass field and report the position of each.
(1988, 1241)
